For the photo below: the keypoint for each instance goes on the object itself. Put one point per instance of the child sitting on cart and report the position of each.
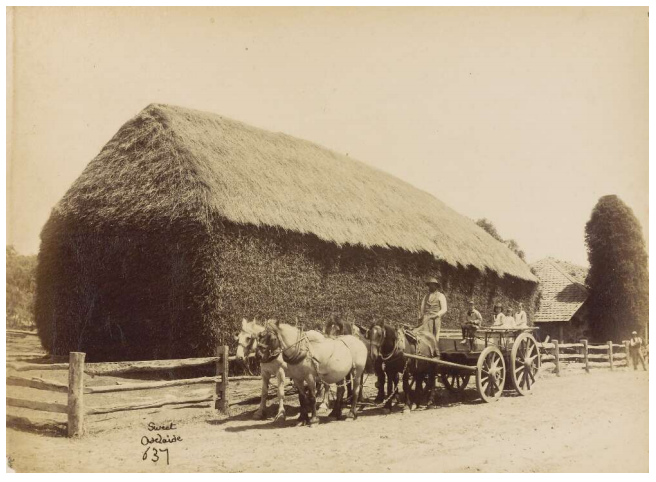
(472, 323)
(499, 317)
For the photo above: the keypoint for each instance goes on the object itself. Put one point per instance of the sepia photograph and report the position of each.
(327, 239)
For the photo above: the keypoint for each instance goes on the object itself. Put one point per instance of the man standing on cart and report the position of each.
(432, 308)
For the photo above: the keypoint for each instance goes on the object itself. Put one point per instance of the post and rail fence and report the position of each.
(77, 391)
(583, 355)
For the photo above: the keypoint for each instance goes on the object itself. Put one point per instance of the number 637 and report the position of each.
(156, 453)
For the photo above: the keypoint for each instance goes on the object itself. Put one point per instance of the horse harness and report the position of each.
(252, 346)
(300, 354)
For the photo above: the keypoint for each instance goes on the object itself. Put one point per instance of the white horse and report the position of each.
(310, 357)
(271, 365)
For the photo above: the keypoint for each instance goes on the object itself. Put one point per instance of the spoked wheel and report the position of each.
(455, 382)
(490, 374)
(524, 363)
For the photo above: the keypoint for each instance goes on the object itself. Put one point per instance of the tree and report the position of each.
(21, 289)
(619, 274)
(514, 247)
(491, 229)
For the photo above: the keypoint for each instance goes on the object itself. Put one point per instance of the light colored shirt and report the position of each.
(432, 306)
(499, 319)
(520, 319)
(509, 321)
(474, 317)
(635, 343)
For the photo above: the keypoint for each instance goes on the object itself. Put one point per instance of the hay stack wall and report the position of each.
(187, 221)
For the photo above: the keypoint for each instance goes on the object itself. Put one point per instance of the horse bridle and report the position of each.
(395, 351)
(272, 355)
(248, 348)
(298, 354)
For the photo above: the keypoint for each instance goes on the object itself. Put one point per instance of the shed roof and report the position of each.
(563, 289)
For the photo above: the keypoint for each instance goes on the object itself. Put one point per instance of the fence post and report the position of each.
(76, 394)
(626, 349)
(221, 399)
(585, 355)
(610, 355)
(557, 357)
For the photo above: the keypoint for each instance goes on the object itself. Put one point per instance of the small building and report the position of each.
(562, 314)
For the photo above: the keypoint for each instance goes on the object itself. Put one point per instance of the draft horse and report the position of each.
(311, 357)
(271, 365)
(388, 345)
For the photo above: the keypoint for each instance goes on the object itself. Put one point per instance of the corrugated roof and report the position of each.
(563, 289)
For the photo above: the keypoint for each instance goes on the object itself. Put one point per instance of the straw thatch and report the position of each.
(186, 221)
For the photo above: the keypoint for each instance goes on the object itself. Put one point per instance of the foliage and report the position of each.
(21, 287)
(619, 274)
(179, 294)
(491, 229)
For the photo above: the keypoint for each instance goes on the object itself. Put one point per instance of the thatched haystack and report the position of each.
(188, 221)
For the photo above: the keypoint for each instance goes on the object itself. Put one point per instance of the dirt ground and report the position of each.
(574, 423)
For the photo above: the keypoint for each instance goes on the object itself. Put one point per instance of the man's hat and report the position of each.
(432, 281)
(471, 302)
(634, 333)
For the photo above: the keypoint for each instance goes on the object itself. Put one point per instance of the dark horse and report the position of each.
(387, 346)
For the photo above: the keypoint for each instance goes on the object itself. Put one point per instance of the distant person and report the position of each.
(520, 317)
(509, 319)
(432, 308)
(473, 320)
(499, 317)
(635, 350)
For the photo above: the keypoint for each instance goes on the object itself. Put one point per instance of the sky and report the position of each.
(522, 116)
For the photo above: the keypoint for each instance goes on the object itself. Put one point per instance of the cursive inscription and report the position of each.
(153, 442)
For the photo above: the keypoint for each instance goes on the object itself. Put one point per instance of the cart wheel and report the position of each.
(455, 382)
(490, 374)
(524, 363)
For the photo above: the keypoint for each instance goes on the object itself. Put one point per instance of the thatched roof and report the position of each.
(563, 289)
(173, 163)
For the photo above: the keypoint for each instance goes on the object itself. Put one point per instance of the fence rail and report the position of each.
(561, 354)
(609, 355)
(76, 389)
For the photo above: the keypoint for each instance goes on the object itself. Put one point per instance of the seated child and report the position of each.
(472, 323)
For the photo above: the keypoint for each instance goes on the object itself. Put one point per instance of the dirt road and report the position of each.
(596, 422)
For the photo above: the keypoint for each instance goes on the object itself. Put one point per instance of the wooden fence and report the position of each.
(77, 391)
(583, 355)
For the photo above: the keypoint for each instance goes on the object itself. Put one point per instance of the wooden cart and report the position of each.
(498, 358)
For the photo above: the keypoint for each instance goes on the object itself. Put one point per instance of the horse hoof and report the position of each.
(280, 417)
(314, 421)
(387, 411)
(350, 417)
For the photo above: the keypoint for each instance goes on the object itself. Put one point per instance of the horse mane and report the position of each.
(389, 333)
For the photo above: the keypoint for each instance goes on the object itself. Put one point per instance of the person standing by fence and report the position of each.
(635, 350)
